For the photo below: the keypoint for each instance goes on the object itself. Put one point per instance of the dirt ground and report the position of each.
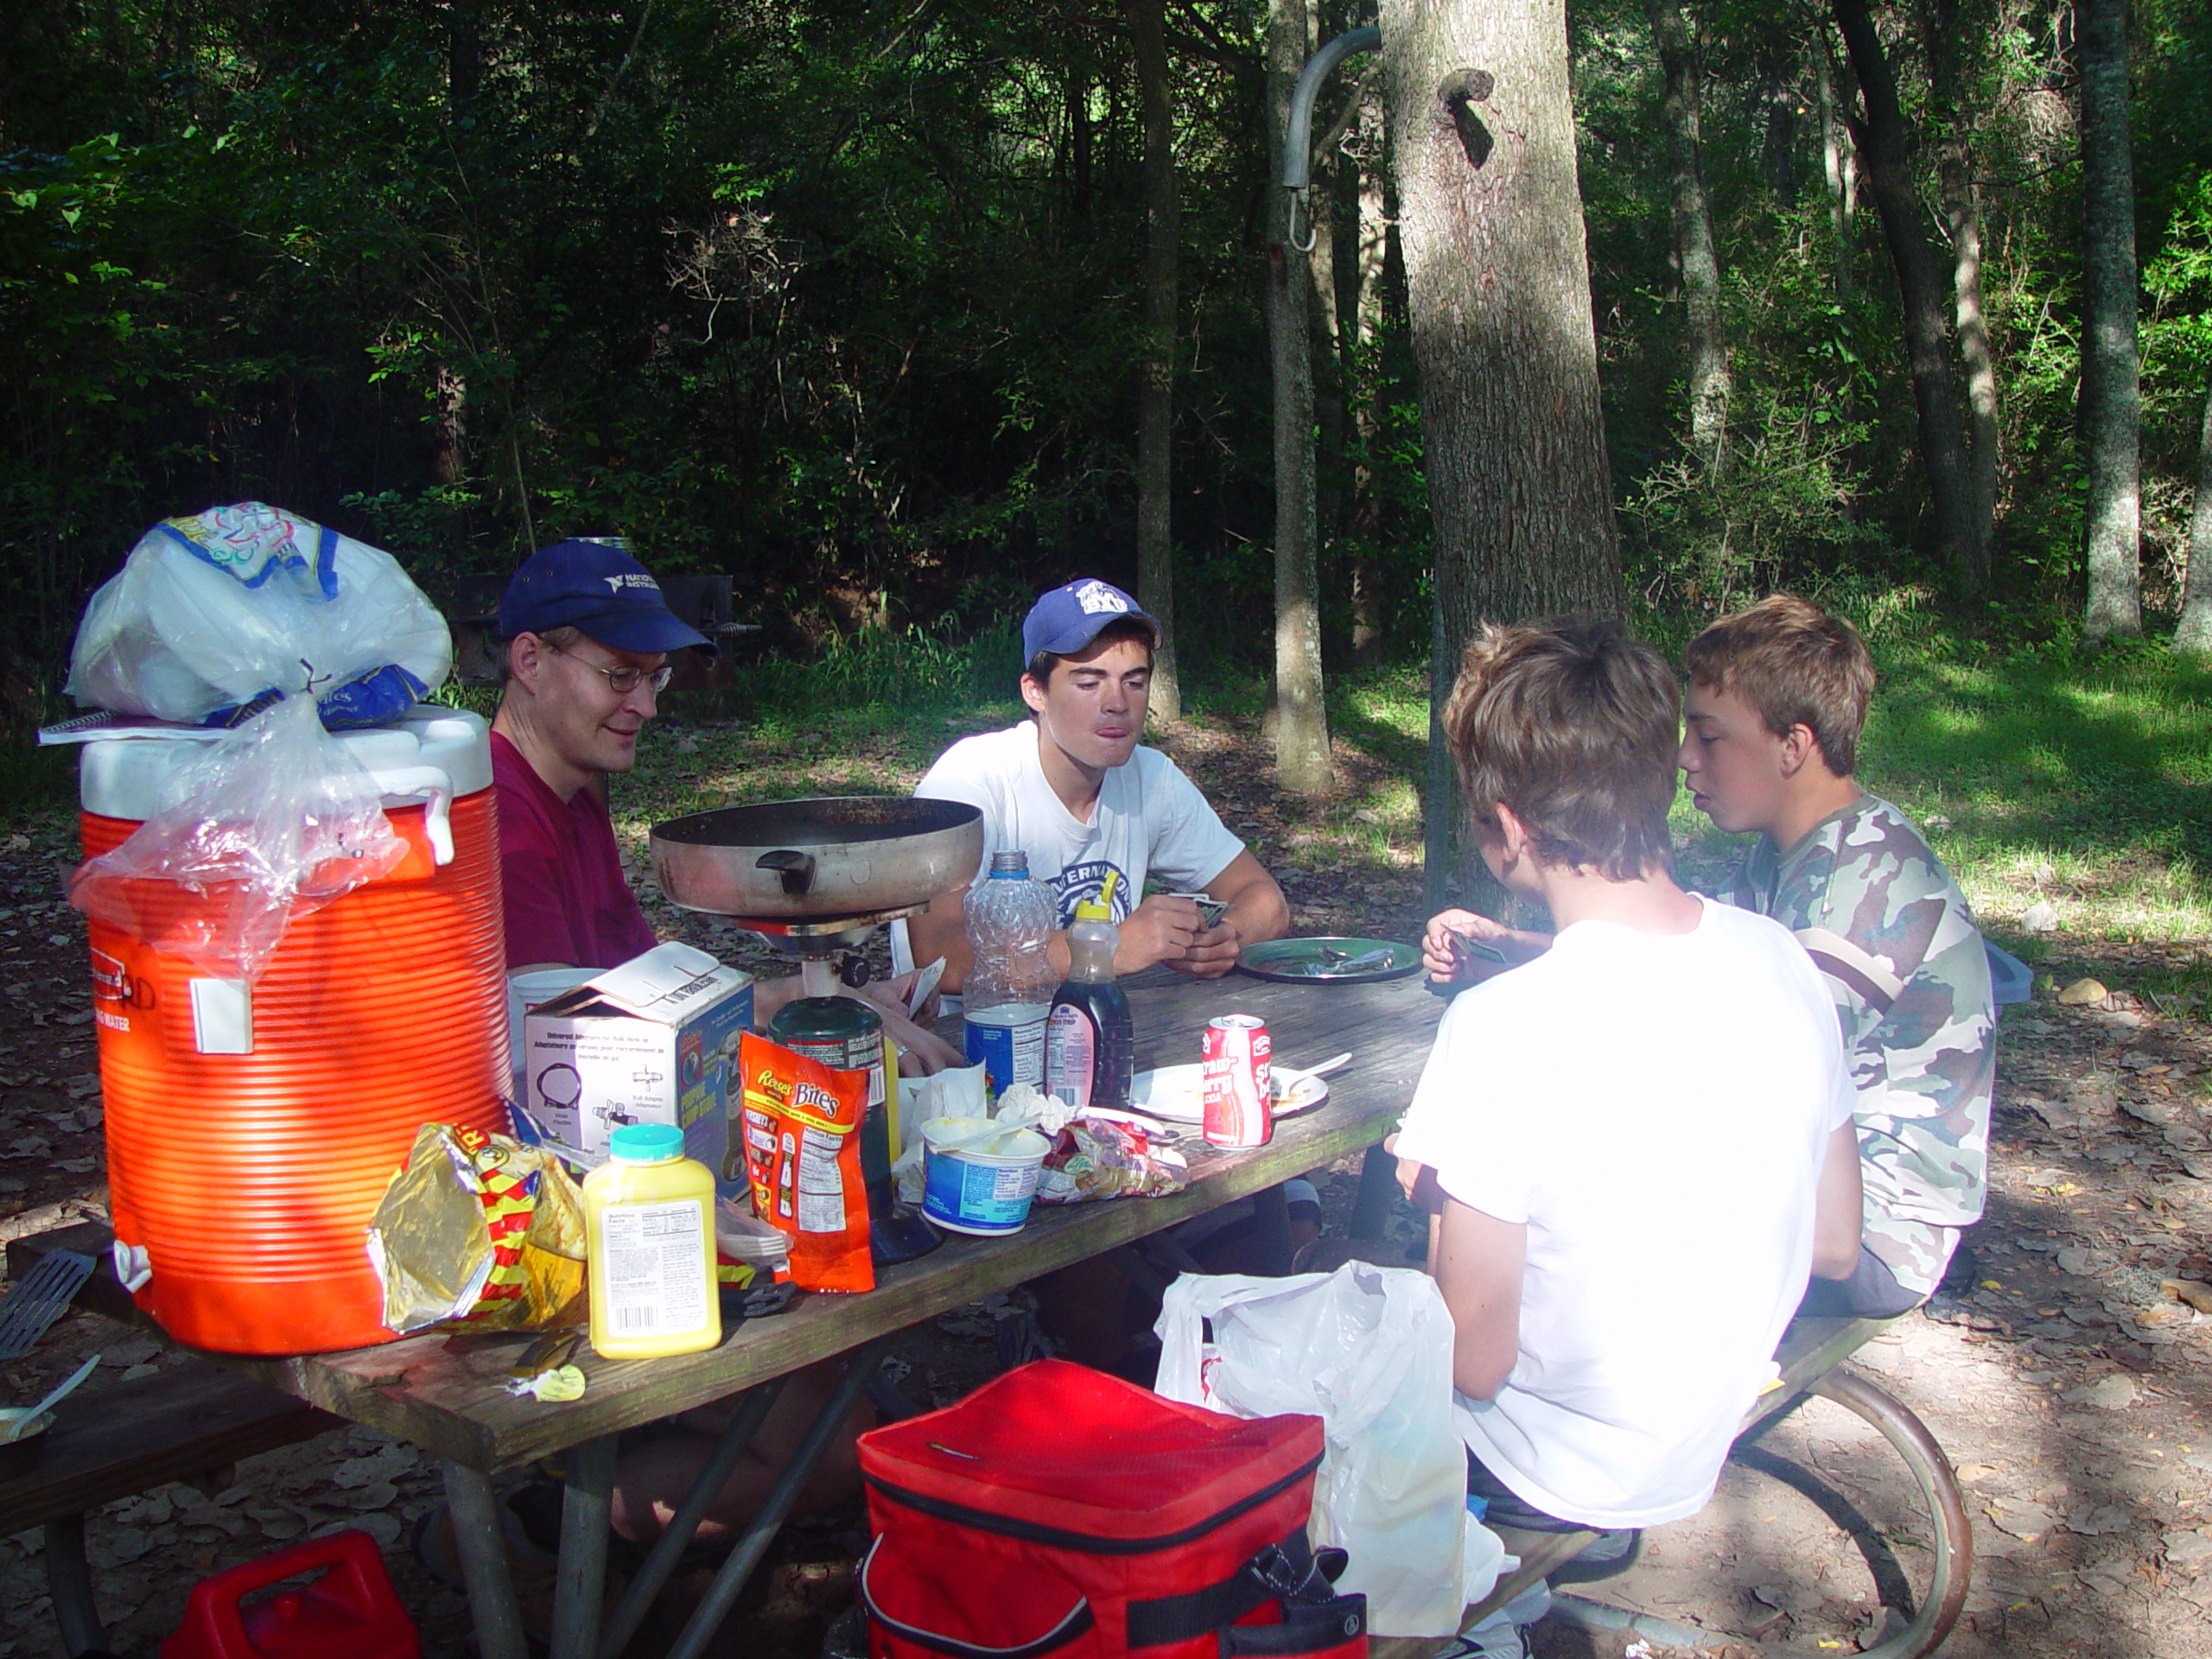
(2058, 1369)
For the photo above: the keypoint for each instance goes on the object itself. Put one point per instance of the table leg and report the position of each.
(1378, 1188)
(1271, 1230)
(71, 1582)
(668, 1549)
(580, 1582)
(723, 1595)
(483, 1551)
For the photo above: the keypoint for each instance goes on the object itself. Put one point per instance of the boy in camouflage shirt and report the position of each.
(1778, 695)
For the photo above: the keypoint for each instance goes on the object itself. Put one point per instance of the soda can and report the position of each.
(1234, 1075)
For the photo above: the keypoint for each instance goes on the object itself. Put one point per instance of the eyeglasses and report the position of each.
(624, 680)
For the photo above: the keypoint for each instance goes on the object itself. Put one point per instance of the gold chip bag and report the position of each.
(479, 1231)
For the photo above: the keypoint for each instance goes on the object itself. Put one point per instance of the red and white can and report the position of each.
(1234, 1074)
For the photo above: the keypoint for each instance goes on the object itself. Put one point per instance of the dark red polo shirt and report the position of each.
(566, 900)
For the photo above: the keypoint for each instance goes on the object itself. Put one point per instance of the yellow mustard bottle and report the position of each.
(649, 1215)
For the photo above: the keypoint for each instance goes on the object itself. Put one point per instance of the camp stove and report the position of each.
(816, 878)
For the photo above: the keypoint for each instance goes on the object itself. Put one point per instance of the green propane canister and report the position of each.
(845, 1034)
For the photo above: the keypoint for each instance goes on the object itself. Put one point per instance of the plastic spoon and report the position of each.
(1334, 1062)
(54, 1399)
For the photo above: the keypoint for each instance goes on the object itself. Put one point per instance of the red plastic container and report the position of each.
(248, 1179)
(350, 1612)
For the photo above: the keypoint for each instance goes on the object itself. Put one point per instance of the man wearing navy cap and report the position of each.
(588, 641)
(588, 638)
(1074, 789)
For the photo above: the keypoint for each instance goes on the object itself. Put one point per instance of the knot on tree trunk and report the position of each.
(1461, 91)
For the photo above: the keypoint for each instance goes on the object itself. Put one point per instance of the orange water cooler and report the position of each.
(250, 1128)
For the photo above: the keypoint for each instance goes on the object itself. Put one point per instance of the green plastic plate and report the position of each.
(1330, 961)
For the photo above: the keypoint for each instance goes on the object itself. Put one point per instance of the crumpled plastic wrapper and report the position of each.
(482, 1231)
(1096, 1157)
(1094, 1154)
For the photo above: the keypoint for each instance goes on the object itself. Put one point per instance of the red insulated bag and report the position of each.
(1062, 1511)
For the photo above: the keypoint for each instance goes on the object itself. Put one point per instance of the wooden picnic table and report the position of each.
(449, 1394)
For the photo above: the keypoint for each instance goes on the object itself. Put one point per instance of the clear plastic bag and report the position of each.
(275, 820)
(1368, 1349)
(214, 615)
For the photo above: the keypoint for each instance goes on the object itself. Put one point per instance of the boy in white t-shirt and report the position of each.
(1074, 790)
(1637, 1145)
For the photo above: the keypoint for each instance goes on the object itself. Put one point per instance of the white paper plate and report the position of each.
(1172, 1092)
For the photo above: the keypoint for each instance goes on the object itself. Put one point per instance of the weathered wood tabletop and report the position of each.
(449, 1394)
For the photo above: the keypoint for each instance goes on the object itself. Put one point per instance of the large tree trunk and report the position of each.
(1696, 256)
(1497, 282)
(2194, 635)
(1886, 141)
(2111, 382)
(1302, 764)
(1156, 382)
(1962, 217)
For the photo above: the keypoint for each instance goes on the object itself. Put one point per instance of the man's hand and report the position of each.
(1460, 948)
(1159, 930)
(921, 1053)
(1212, 953)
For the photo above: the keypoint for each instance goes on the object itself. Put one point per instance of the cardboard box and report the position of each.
(652, 1041)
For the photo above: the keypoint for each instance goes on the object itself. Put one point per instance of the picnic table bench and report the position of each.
(1812, 1360)
(190, 1421)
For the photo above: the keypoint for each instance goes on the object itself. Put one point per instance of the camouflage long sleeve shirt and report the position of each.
(1887, 925)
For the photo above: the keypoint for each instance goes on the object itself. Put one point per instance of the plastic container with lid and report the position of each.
(250, 1128)
(649, 1212)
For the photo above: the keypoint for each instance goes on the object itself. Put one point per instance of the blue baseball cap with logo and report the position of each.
(1068, 618)
(598, 589)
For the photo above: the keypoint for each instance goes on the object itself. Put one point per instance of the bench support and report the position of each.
(481, 1545)
(730, 1581)
(70, 1580)
(676, 1538)
(580, 1582)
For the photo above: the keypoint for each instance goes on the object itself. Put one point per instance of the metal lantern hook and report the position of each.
(1297, 127)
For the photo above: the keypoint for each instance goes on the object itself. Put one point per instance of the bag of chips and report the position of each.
(480, 1231)
(803, 1157)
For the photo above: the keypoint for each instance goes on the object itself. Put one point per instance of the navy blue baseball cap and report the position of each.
(598, 589)
(1070, 617)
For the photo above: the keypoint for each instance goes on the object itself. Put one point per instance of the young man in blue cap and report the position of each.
(1074, 789)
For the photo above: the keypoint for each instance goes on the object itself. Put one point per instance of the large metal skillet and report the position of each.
(841, 856)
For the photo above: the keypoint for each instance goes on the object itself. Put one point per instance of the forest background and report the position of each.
(847, 298)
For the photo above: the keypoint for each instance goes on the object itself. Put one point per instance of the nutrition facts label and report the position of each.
(656, 1268)
(820, 1186)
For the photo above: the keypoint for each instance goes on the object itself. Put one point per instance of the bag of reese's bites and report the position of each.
(801, 1129)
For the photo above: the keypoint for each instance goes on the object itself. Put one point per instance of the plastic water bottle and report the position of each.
(1010, 983)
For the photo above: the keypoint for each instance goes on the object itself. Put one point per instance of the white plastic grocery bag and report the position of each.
(1368, 1349)
(214, 615)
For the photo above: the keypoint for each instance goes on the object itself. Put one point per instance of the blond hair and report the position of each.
(1796, 665)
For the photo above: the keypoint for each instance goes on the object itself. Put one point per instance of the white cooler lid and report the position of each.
(128, 777)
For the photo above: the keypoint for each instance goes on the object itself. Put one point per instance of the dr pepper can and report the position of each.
(1233, 1070)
